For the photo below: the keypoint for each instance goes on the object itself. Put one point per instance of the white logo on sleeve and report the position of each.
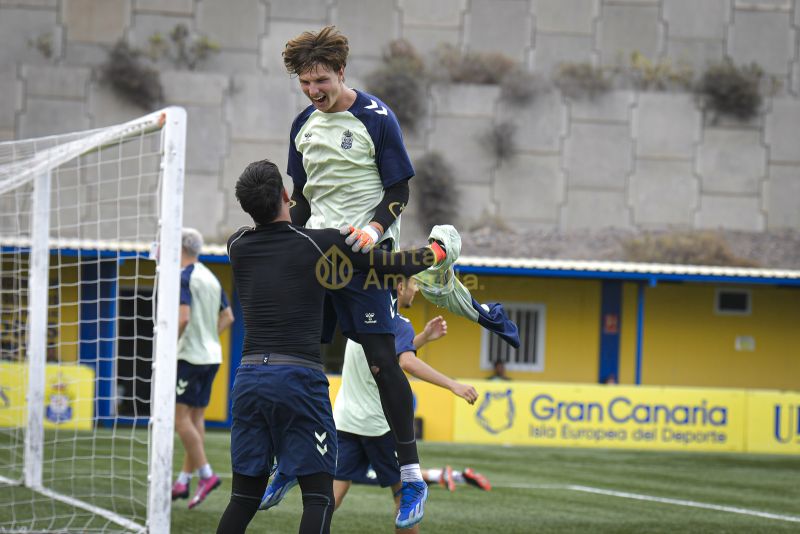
(374, 105)
(369, 318)
(321, 441)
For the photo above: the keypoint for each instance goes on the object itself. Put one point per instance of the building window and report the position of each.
(732, 302)
(530, 318)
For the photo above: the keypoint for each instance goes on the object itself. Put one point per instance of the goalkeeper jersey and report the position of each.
(343, 161)
(357, 408)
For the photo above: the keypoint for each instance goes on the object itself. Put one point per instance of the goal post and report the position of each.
(90, 244)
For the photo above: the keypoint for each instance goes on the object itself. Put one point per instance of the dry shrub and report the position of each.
(131, 78)
(473, 67)
(686, 248)
(520, 87)
(730, 90)
(500, 140)
(662, 75)
(401, 83)
(435, 189)
(581, 80)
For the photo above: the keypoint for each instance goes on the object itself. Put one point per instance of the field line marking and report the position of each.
(681, 502)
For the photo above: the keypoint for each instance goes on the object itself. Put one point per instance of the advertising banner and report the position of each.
(773, 422)
(68, 396)
(603, 416)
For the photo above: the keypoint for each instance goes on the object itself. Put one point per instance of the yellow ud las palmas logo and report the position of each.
(334, 270)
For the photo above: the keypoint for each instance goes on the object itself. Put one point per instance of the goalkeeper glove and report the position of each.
(439, 252)
(361, 240)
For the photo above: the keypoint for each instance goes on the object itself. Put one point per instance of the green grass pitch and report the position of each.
(545, 490)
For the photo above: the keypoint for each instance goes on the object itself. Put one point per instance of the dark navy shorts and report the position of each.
(194, 383)
(282, 412)
(358, 453)
(360, 308)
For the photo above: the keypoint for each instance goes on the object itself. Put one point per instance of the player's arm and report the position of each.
(395, 198)
(184, 314)
(299, 208)
(419, 369)
(403, 262)
(225, 318)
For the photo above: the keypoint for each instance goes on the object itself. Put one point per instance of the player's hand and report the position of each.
(466, 392)
(436, 328)
(361, 240)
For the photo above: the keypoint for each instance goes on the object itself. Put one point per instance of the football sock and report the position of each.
(458, 476)
(410, 473)
(434, 475)
(246, 495)
(184, 477)
(205, 471)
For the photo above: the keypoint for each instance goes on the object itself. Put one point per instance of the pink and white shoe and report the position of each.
(180, 491)
(204, 487)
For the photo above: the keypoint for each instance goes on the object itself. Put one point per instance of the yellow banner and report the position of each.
(603, 416)
(68, 396)
(773, 422)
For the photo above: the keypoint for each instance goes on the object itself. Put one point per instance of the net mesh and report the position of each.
(103, 214)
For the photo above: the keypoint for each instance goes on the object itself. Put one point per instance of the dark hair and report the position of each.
(327, 47)
(259, 189)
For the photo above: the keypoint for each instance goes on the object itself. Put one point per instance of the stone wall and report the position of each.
(627, 159)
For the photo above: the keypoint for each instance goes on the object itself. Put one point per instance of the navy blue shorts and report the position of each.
(283, 412)
(194, 383)
(360, 308)
(358, 453)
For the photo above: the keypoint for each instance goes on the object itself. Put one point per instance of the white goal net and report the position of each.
(89, 285)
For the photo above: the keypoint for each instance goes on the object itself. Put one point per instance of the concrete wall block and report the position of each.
(11, 102)
(273, 43)
(228, 62)
(503, 26)
(261, 107)
(206, 139)
(367, 25)
(474, 202)
(17, 28)
(571, 16)
(194, 88)
(667, 125)
(765, 38)
(85, 54)
(530, 187)
(693, 19)
(107, 108)
(243, 153)
(427, 39)
(783, 197)
(540, 125)
(55, 82)
(49, 117)
(308, 10)
(96, 21)
(203, 205)
(459, 141)
(697, 54)
(29, 3)
(146, 25)
(781, 5)
(593, 210)
(627, 28)
(612, 106)
(465, 99)
(730, 212)
(664, 193)
(440, 13)
(782, 129)
(172, 7)
(731, 161)
(552, 49)
(232, 24)
(598, 155)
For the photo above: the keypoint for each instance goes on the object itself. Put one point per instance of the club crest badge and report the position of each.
(496, 411)
(347, 140)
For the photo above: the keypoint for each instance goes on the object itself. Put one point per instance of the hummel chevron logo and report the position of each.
(182, 385)
(321, 438)
(374, 106)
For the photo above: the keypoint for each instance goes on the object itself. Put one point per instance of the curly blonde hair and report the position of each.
(327, 47)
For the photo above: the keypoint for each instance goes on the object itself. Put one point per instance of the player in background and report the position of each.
(204, 314)
(349, 166)
(364, 437)
(281, 404)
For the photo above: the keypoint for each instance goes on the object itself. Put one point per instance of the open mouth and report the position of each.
(320, 100)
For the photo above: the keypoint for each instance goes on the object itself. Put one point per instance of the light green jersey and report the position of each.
(199, 343)
(357, 408)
